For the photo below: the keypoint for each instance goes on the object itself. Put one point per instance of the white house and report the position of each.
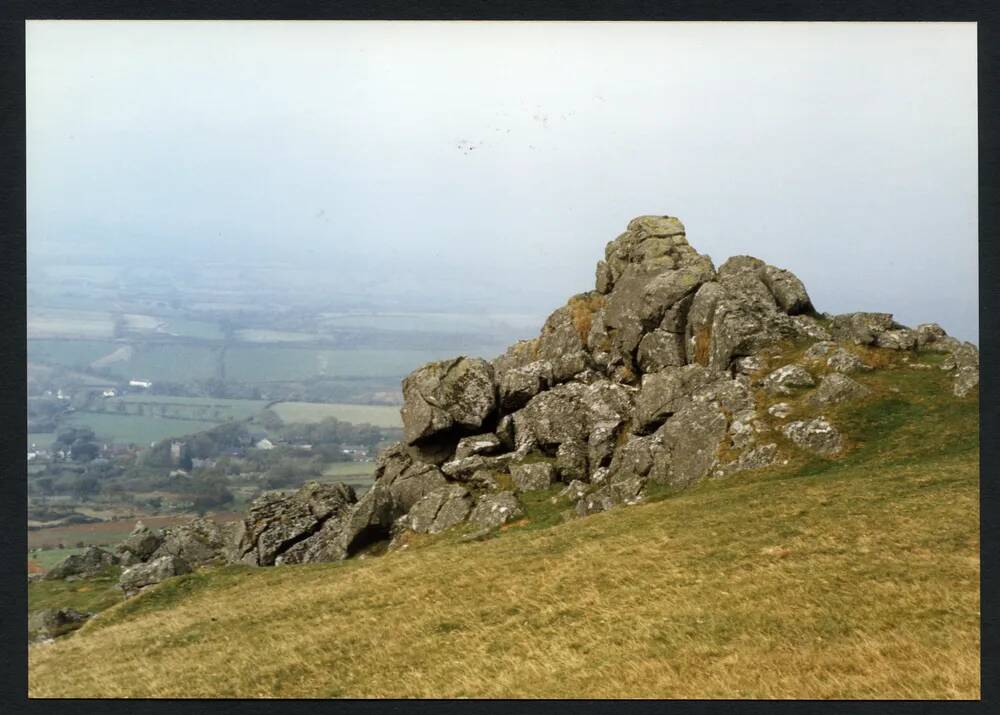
(264, 444)
(140, 383)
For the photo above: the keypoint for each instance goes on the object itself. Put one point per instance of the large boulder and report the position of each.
(861, 328)
(592, 414)
(688, 444)
(91, 562)
(198, 542)
(664, 393)
(449, 395)
(275, 523)
(139, 577)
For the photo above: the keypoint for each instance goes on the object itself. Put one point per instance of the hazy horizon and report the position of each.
(485, 165)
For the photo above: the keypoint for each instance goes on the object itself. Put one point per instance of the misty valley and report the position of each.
(159, 392)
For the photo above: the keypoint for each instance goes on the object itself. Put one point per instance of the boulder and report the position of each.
(845, 362)
(572, 462)
(494, 510)
(139, 545)
(820, 350)
(690, 442)
(479, 444)
(136, 578)
(440, 509)
(449, 395)
(573, 491)
(275, 523)
(897, 339)
(663, 393)
(815, 435)
(788, 291)
(660, 349)
(835, 388)
(407, 478)
(964, 361)
(520, 384)
(54, 622)
(90, 563)
(198, 542)
(787, 379)
(532, 477)
(860, 328)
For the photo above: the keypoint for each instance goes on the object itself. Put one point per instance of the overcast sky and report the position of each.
(491, 162)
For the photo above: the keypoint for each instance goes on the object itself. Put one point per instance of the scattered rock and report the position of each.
(835, 388)
(136, 578)
(54, 622)
(845, 362)
(781, 410)
(494, 510)
(90, 563)
(786, 380)
(815, 435)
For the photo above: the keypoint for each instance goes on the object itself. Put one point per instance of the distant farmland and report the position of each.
(307, 412)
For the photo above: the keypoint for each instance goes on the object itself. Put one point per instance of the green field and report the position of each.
(70, 353)
(47, 558)
(190, 408)
(307, 412)
(129, 429)
(349, 469)
(61, 322)
(192, 329)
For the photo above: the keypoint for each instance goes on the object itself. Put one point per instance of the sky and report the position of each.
(487, 164)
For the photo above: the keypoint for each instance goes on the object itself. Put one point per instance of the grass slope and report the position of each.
(856, 578)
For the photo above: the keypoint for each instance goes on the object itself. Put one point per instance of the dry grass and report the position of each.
(856, 578)
(702, 343)
(582, 309)
(820, 589)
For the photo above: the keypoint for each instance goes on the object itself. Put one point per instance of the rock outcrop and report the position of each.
(670, 371)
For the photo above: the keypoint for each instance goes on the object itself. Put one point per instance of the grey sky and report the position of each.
(491, 162)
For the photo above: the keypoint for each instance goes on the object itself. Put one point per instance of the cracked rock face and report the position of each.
(493, 510)
(275, 523)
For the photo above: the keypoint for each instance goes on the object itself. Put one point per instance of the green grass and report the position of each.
(854, 578)
(376, 415)
(92, 594)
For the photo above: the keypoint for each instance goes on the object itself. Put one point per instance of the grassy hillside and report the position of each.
(856, 578)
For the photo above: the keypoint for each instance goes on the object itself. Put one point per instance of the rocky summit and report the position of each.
(657, 376)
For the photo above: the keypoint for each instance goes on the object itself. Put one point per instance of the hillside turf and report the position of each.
(849, 578)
